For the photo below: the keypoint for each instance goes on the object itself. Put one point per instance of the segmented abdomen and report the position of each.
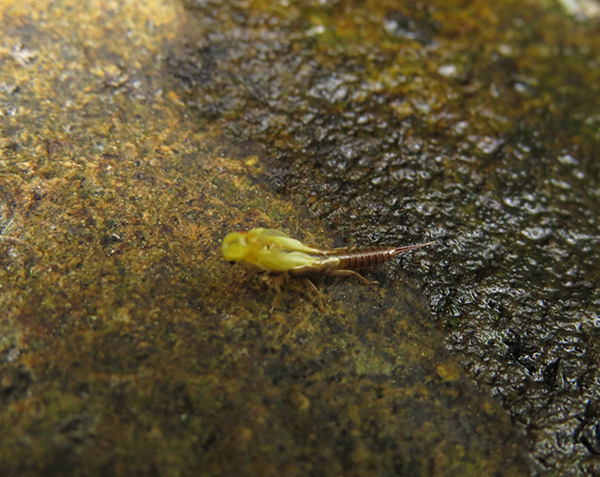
(365, 259)
(371, 258)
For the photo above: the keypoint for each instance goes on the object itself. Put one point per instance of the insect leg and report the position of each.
(317, 291)
(276, 282)
(351, 273)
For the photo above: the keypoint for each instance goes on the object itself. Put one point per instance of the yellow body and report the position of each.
(269, 250)
(273, 251)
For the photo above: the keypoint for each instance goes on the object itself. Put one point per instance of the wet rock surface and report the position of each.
(474, 126)
(136, 135)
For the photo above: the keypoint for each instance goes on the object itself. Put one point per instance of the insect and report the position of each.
(272, 251)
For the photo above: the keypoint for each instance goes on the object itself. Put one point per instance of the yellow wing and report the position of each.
(272, 238)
